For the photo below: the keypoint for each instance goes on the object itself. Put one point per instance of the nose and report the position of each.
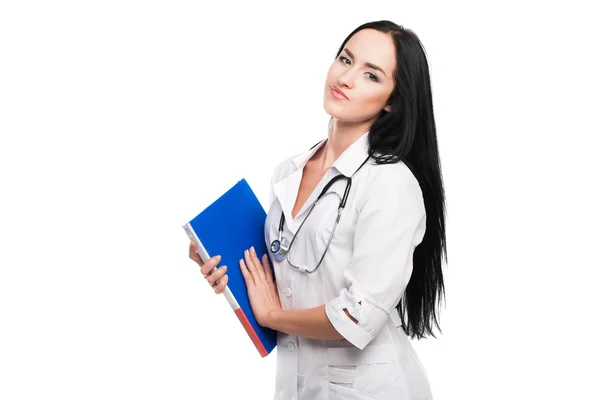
(346, 79)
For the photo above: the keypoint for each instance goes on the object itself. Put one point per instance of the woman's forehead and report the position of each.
(371, 46)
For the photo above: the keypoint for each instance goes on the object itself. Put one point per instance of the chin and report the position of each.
(335, 110)
(340, 114)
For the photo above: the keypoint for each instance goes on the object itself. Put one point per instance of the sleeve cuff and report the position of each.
(370, 319)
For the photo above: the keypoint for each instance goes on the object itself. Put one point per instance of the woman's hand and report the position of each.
(214, 276)
(262, 292)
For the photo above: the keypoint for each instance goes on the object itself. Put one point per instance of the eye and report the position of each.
(342, 58)
(372, 77)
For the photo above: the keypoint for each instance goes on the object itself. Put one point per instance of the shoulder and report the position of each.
(393, 181)
(396, 176)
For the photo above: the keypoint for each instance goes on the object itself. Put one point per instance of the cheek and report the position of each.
(376, 93)
(372, 99)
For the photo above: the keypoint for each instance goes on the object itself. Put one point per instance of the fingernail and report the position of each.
(246, 252)
(252, 249)
(224, 267)
(225, 278)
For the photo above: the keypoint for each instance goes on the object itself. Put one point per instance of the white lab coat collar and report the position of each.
(353, 157)
(301, 159)
(347, 163)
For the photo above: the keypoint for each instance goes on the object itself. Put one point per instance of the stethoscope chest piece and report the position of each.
(279, 248)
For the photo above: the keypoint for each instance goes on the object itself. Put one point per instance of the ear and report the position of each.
(388, 108)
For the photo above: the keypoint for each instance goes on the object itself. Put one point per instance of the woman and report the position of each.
(358, 269)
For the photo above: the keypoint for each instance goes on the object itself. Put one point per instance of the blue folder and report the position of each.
(230, 225)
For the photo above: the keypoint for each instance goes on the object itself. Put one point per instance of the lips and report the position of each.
(338, 94)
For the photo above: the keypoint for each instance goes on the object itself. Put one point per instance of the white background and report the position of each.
(121, 120)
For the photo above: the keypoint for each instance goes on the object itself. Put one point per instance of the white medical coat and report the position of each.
(369, 261)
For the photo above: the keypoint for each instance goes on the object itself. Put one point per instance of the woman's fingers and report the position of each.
(194, 254)
(220, 287)
(251, 267)
(254, 264)
(267, 268)
(246, 273)
(250, 264)
(209, 265)
(216, 275)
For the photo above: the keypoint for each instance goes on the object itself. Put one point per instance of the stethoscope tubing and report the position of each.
(278, 242)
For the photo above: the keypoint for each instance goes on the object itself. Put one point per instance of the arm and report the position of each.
(264, 299)
(308, 322)
(391, 223)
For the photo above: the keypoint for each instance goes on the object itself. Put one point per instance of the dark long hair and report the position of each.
(407, 133)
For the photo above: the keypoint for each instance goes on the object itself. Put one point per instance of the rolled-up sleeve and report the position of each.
(391, 223)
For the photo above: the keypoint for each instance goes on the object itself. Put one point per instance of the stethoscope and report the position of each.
(280, 247)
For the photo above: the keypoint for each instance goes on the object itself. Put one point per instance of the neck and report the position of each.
(341, 136)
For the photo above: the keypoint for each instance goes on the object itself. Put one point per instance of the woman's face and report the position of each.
(363, 73)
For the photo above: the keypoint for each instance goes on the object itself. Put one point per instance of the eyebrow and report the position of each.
(367, 63)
